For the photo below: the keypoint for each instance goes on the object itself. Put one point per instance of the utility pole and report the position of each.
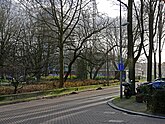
(121, 61)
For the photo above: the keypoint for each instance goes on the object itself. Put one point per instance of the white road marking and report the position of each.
(132, 115)
(116, 121)
(109, 112)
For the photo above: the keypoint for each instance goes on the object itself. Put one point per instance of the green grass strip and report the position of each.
(14, 98)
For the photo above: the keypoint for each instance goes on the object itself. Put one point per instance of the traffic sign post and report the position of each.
(121, 67)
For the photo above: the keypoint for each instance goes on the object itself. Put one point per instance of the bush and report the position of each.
(80, 83)
(104, 78)
(50, 78)
(143, 93)
(31, 80)
(143, 89)
(157, 104)
(140, 98)
(72, 77)
(4, 81)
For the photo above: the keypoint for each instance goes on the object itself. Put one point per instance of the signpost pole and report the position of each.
(121, 62)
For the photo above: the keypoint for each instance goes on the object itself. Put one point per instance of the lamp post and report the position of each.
(121, 65)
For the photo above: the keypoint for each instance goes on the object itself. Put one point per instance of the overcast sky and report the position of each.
(111, 7)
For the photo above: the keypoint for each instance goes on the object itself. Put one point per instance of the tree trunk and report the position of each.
(159, 65)
(47, 61)
(149, 66)
(90, 72)
(38, 75)
(15, 89)
(160, 27)
(2, 68)
(70, 68)
(131, 63)
(61, 61)
(133, 77)
(155, 65)
(96, 72)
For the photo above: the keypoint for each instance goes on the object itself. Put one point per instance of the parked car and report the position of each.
(158, 84)
(146, 87)
(160, 79)
(142, 88)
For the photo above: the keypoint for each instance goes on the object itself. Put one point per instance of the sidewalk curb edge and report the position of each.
(132, 112)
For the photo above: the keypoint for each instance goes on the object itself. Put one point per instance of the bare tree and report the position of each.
(64, 16)
(83, 38)
(9, 32)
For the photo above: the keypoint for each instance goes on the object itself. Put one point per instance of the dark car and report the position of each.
(158, 84)
(142, 88)
(160, 79)
(146, 87)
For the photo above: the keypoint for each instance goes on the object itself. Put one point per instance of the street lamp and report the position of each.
(121, 88)
(121, 65)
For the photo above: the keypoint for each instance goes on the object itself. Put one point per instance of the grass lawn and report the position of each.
(22, 97)
(130, 104)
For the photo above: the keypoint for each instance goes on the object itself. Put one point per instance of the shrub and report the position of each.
(15, 84)
(3, 80)
(143, 93)
(72, 77)
(50, 78)
(31, 80)
(143, 89)
(157, 104)
(140, 98)
(80, 83)
(5, 90)
(104, 78)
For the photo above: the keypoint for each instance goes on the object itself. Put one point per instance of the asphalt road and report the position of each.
(83, 108)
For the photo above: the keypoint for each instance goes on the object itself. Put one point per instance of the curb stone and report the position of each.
(132, 112)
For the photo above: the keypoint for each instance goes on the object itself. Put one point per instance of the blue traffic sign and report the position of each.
(120, 66)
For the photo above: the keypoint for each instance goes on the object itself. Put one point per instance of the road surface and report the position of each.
(83, 108)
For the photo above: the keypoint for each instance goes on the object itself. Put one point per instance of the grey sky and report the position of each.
(110, 7)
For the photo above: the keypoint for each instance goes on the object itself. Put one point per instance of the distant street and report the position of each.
(82, 108)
